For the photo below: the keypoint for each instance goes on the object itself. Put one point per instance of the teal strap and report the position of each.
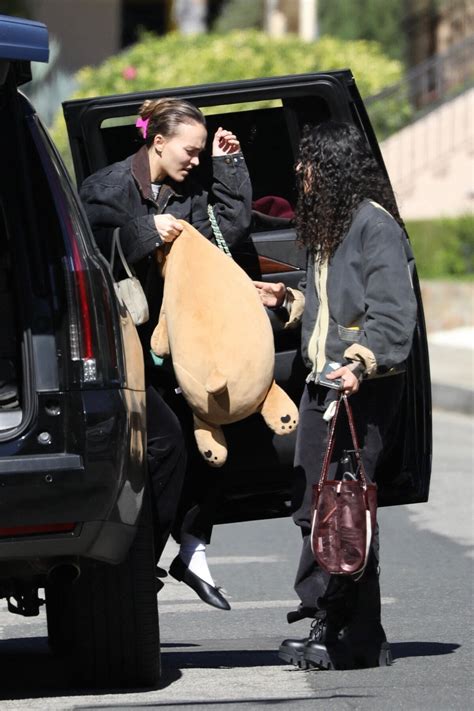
(157, 360)
(221, 243)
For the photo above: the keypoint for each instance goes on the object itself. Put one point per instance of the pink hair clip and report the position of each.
(143, 124)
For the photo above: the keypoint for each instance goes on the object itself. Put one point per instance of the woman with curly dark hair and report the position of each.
(358, 312)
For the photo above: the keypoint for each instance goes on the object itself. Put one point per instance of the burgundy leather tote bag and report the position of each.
(344, 513)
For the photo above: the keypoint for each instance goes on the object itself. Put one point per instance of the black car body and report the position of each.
(74, 448)
(72, 465)
(72, 469)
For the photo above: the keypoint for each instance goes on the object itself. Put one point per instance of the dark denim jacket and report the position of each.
(370, 294)
(120, 195)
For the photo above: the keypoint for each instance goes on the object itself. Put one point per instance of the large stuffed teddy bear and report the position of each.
(219, 336)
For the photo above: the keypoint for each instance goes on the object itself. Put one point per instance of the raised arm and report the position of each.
(230, 194)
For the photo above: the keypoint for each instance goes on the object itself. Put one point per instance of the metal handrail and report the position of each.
(435, 79)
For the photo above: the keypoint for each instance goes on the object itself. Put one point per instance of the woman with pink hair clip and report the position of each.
(145, 195)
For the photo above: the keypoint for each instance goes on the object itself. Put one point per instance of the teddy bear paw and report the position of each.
(288, 423)
(211, 442)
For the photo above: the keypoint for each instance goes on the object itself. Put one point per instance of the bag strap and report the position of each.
(330, 445)
(355, 441)
(219, 237)
(332, 440)
(117, 246)
(161, 202)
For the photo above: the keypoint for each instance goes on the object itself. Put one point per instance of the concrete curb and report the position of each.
(450, 397)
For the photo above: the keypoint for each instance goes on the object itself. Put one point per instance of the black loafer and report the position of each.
(208, 593)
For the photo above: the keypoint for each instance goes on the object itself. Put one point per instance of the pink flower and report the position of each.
(129, 73)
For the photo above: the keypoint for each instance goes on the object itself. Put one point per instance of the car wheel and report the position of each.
(116, 641)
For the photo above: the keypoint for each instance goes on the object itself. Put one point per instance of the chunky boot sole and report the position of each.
(290, 655)
(318, 657)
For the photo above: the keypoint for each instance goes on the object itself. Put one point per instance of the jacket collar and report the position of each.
(142, 177)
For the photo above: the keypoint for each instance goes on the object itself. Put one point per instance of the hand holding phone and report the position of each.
(329, 367)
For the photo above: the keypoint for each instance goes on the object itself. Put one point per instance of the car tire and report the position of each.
(115, 640)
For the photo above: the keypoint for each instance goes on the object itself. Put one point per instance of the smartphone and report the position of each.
(329, 367)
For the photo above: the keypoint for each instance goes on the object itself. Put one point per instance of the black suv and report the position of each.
(74, 516)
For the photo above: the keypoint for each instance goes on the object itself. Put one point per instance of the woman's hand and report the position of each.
(224, 143)
(271, 295)
(349, 380)
(167, 226)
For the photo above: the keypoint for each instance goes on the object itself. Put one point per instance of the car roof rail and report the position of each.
(23, 40)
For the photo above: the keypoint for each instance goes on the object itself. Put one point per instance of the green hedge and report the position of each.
(174, 60)
(443, 248)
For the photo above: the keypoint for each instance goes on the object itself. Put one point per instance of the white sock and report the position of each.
(193, 554)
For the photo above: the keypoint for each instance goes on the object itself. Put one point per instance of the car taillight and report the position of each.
(79, 321)
(93, 346)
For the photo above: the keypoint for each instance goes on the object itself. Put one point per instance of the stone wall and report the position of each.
(447, 304)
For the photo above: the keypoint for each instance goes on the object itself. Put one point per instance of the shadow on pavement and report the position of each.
(29, 670)
(421, 649)
(220, 659)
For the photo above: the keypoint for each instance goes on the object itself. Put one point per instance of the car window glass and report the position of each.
(263, 134)
(264, 138)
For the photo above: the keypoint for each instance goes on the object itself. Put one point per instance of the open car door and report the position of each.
(259, 468)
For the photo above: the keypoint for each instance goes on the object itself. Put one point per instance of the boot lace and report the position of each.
(318, 628)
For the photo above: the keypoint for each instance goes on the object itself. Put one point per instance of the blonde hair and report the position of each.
(164, 116)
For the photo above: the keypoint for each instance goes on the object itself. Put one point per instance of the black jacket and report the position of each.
(120, 195)
(372, 306)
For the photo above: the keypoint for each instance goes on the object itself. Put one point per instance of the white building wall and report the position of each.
(431, 162)
(88, 31)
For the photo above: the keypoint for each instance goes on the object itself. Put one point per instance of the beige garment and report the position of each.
(317, 342)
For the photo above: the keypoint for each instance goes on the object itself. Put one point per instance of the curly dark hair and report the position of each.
(335, 172)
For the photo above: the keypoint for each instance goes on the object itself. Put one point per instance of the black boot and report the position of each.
(368, 644)
(351, 646)
(292, 650)
(326, 648)
(363, 634)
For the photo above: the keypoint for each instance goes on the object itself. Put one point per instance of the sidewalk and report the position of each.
(452, 369)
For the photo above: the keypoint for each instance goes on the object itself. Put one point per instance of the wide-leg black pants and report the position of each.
(166, 459)
(185, 490)
(375, 409)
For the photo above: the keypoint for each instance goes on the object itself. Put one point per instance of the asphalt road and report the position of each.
(228, 660)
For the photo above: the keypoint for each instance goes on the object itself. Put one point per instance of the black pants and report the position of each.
(185, 490)
(203, 485)
(166, 458)
(374, 407)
